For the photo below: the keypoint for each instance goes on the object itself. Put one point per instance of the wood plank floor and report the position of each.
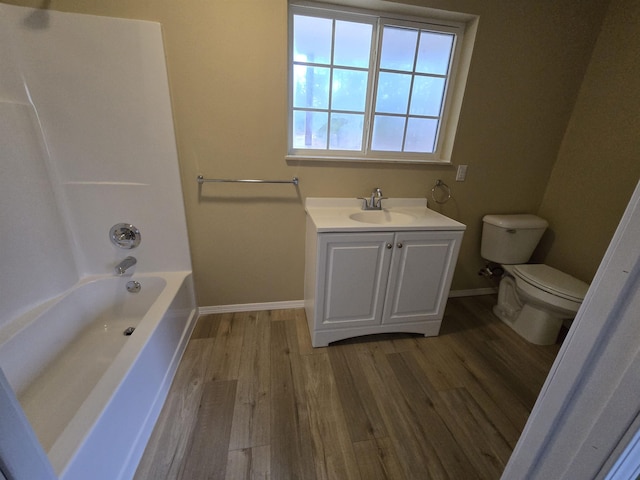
(253, 400)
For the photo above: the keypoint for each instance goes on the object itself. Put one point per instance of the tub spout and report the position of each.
(124, 265)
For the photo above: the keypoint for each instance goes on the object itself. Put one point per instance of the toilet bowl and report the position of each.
(535, 299)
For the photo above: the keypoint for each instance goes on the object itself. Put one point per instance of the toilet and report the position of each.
(533, 299)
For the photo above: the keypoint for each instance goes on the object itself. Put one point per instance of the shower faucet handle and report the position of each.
(125, 235)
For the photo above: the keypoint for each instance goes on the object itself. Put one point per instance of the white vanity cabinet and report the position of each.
(369, 281)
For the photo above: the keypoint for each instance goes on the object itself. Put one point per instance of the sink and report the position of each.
(381, 217)
(398, 214)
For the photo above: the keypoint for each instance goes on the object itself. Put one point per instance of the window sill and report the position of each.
(342, 159)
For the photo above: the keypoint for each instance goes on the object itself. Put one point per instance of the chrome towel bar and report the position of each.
(202, 180)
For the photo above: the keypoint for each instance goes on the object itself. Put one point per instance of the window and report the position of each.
(365, 87)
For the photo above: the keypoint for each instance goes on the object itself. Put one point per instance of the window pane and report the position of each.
(434, 53)
(369, 86)
(421, 135)
(387, 133)
(426, 98)
(310, 129)
(346, 131)
(310, 87)
(398, 48)
(393, 92)
(352, 44)
(312, 39)
(349, 90)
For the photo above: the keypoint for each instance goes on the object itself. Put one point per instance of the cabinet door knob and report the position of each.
(399, 245)
(389, 246)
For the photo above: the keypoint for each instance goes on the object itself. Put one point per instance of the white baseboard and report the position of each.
(252, 307)
(472, 292)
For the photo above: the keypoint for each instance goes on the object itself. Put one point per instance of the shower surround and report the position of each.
(86, 142)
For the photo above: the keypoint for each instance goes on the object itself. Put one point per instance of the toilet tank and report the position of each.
(511, 239)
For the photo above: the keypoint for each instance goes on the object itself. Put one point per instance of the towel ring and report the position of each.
(446, 195)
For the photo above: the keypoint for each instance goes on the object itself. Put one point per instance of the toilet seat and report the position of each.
(552, 281)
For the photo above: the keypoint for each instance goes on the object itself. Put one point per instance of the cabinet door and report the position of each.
(355, 270)
(420, 276)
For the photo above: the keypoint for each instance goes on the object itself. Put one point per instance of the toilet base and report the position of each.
(536, 325)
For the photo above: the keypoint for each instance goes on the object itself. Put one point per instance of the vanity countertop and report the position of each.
(398, 214)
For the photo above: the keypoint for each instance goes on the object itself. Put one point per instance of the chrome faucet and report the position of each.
(124, 265)
(375, 202)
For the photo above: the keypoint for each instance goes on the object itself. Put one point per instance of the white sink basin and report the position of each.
(381, 217)
(398, 214)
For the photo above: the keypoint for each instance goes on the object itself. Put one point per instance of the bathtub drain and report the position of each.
(129, 331)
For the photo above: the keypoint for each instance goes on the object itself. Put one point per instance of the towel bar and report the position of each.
(202, 180)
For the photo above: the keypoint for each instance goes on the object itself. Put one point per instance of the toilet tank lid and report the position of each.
(523, 220)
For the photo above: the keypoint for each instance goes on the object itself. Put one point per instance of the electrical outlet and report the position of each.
(461, 174)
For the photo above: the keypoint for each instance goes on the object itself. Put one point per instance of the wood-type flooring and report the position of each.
(253, 400)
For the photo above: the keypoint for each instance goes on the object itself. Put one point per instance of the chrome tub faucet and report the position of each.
(124, 265)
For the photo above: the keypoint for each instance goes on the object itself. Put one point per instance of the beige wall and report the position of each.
(599, 161)
(227, 69)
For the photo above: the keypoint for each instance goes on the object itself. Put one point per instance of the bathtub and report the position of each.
(92, 394)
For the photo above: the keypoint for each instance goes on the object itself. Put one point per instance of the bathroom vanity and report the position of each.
(374, 271)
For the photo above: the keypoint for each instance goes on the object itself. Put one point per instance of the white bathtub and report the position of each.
(92, 394)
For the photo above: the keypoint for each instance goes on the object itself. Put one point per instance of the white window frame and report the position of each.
(454, 89)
